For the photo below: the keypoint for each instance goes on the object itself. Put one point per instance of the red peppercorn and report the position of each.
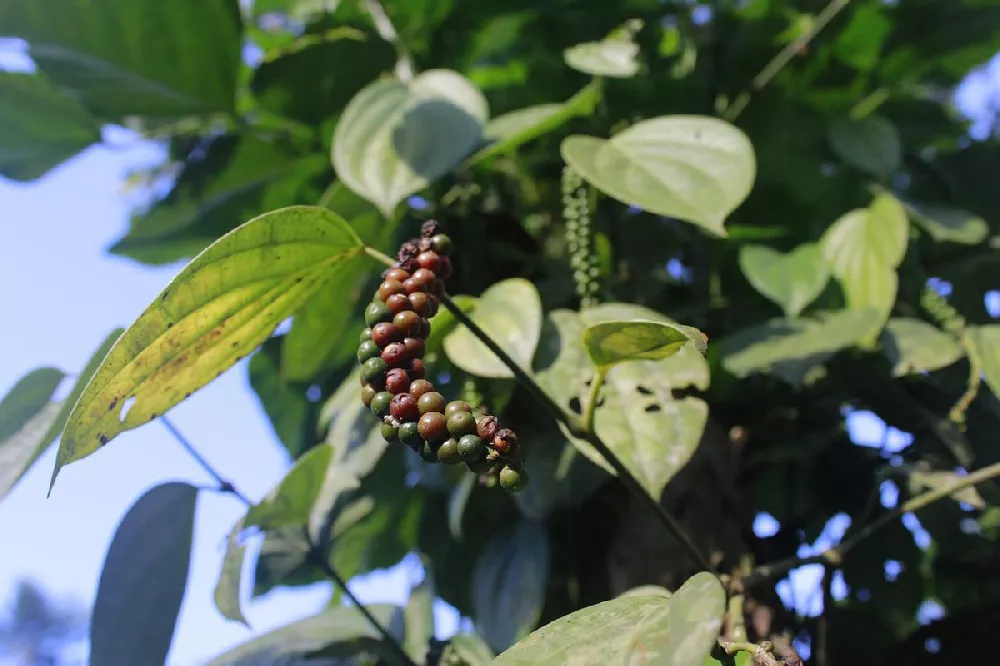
(505, 441)
(433, 426)
(407, 323)
(397, 381)
(397, 274)
(486, 427)
(416, 369)
(423, 277)
(437, 287)
(414, 347)
(432, 307)
(418, 387)
(384, 334)
(429, 260)
(398, 303)
(404, 408)
(425, 329)
(388, 288)
(412, 286)
(445, 269)
(418, 300)
(395, 354)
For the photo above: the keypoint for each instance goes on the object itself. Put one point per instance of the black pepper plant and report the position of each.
(654, 256)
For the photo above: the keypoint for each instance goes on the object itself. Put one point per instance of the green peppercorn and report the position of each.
(410, 436)
(428, 453)
(448, 452)
(368, 394)
(374, 368)
(377, 312)
(390, 433)
(512, 479)
(457, 406)
(367, 350)
(432, 402)
(461, 423)
(366, 334)
(433, 426)
(380, 404)
(441, 244)
(471, 448)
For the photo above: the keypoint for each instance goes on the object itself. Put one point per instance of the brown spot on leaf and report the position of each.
(102, 438)
(114, 401)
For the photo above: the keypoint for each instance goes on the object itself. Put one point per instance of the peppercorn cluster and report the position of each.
(579, 238)
(393, 376)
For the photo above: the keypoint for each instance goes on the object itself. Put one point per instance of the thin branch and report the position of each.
(315, 552)
(783, 58)
(834, 556)
(387, 31)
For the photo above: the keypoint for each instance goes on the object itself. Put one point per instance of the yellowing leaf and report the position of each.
(220, 307)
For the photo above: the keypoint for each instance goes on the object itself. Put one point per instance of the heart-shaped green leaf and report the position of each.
(396, 138)
(221, 306)
(511, 313)
(791, 280)
(694, 168)
(986, 343)
(651, 431)
(613, 342)
(863, 249)
(510, 582)
(916, 346)
(871, 144)
(143, 579)
(616, 58)
(946, 224)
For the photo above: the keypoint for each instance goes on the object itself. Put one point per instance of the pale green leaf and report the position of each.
(511, 313)
(143, 579)
(338, 632)
(790, 348)
(946, 224)
(227, 588)
(687, 634)
(641, 590)
(221, 306)
(650, 430)
(915, 346)
(863, 249)
(419, 615)
(792, 280)
(611, 57)
(395, 138)
(871, 144)
(694, 168)
(613, 342)
(509, 584)
(472, 649)
(986, 343)
(40, 127)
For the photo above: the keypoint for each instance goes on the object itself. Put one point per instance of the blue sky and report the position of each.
(61, 295)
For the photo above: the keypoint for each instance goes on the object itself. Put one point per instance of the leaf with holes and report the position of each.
(986, 343)
(686, 636)
(651, 431)
(616, 58)
(221, 306)
(143, 579)
(339, 632)
(871, 144)
(947, 224)
(509, 584)
(612, 342)
(227, 588)
(915, 346)
(693, 168)
(395, 138)
(792, 280)
(511, 313)
(863, 249)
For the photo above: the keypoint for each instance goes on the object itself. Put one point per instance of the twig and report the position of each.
(387, 31)
(590, 409)
(834, 556)
(315, 552)
(783, 58)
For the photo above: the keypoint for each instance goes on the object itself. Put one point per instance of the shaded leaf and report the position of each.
(419, 615)
(291, 502)
(791, 280)
(946, 224)
(916, 346)
(860, 43)
(143, 579)
(694, 168)
(222, 305)
(40, 127)
(286, 406)
(457, 502)
(790, 348)
(986, 342)
(613, 342)
(510, 312)
(227, 588)
(653, 433)
(863, 249)
(29, 395)
(509, 584)
(871, 144)
(394, 139)
(187, 63)
(444, 322)
(337, 632)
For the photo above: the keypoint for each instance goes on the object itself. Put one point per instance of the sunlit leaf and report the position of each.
(688, 633)
(143, 579)
(791, 280)
(511, 313)
(227, 588)
(220, 307)
(509, 584)
(986, 342)
(613, 342)
(394, 138)
(472, 649)
(871, 144)
(694, 168)
(612, 57)
(916, 346)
